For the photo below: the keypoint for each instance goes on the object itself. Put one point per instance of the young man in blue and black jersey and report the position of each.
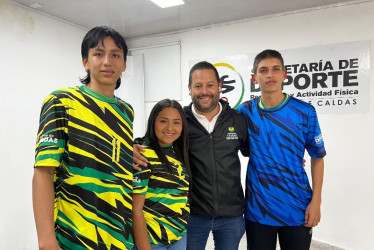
(279, 199)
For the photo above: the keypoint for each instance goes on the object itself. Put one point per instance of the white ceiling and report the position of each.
(139, 18)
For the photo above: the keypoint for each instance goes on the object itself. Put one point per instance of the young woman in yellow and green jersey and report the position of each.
(160, 200)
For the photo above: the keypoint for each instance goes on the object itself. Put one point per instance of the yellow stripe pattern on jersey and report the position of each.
(88, 138)
(166, 208)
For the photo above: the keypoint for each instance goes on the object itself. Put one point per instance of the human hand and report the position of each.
(138, 159)
(312, 214)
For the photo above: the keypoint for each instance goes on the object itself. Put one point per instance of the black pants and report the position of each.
(264, 237)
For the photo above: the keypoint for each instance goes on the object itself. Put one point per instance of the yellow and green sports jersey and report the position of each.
(88, 138)
(166, 208)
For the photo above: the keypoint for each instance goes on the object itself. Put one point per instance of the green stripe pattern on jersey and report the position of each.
(88, 138)
(166, 208)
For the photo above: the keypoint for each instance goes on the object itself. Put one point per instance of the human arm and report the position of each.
(138, 159)
(244, 148)
(313, 210)
(139, 226)
(241, 121)
(43, 195)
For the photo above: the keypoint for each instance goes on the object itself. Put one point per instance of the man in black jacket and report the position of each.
(216, 133)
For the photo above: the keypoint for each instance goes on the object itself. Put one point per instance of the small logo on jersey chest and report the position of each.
(231, 135)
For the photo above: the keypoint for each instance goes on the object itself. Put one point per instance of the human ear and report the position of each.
(254, 78)
(85, 64)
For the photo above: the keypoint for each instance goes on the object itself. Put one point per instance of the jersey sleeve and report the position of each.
(314, 141)
(52, 135)
(244, 148)
(141, 180)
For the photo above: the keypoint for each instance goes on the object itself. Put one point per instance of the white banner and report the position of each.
(333, 78)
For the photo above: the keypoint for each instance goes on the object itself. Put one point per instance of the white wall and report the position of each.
(347, 196)
(40, 54)
(37, 56)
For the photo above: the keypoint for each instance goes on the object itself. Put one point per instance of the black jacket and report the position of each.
(216, 180)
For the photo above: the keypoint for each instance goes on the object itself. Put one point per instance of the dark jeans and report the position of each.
(264, 237)
(227, 232)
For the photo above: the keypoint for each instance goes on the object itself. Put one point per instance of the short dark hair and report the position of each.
(180, 145)
(268, 53)
(203, 65)
(92, 40)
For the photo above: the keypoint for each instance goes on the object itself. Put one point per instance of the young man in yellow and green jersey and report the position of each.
(82, 184)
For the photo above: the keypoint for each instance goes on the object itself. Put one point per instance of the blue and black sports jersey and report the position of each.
(277, 186)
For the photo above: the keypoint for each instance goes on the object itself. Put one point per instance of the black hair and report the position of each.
(92, 40)
(203, 65)
(180, 145)
(268, 53)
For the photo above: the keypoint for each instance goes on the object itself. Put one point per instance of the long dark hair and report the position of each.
(180, 145)
(93, 38)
